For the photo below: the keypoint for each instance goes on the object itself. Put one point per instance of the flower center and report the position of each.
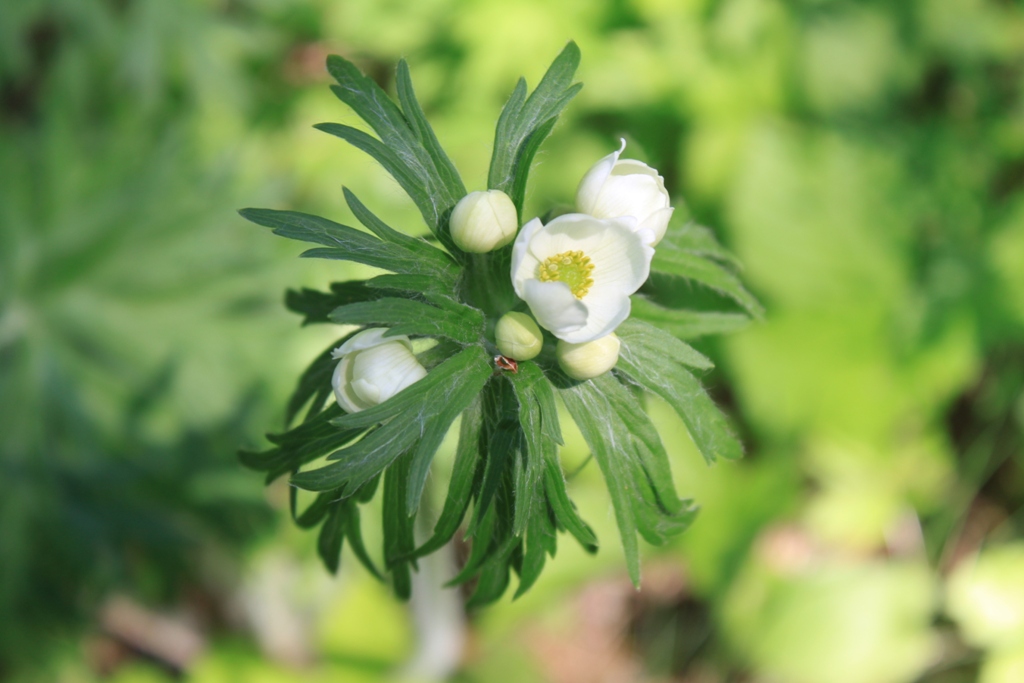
(570, 267)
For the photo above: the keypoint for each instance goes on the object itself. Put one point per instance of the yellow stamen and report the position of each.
(571, 267)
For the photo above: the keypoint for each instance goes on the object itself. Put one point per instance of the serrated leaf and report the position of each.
(412, 420)
(540, 542)
(301, 445)
(529, 384)
(315, 306)
(674, 260)
(460, 323)
(697, 239)
(526, 121)
(648, 339)
(446, 171)
(314, 383)
(408, 148)
(386, 233)
(659, 371)
(354, 534)
(399, 541)
(456, 501)
(628, 451)
(332, 534)
(348, 244)
(686, 323)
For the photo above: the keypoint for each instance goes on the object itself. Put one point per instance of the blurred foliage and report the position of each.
(865, 160)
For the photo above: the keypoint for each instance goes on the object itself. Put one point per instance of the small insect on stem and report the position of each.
(506, 363)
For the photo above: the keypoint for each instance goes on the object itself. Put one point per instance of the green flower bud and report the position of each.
(484, 221)
(588, 359)
(518, 336)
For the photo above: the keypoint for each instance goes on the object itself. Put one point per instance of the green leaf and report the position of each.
(456, 501)
(414, 245)
(407, 148)
(658, 369)
(301, 445)
(447, 174)
(414, 416)
(526, 121)
(354, 533)
(315, 306)
(648, 339)
(635, 467)
(332, 533)
(399, 541)
(316, 511)
(315, 383)
(529, 384)
(697, 239)
(348, 244)
(540, 541)
(677, 259)
(562, 506)
(459, 322)
(686, 323)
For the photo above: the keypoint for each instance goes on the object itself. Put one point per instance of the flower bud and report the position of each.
(484, 221)
(615, 187)
(373, 368)
(588, 359)
(518, 336)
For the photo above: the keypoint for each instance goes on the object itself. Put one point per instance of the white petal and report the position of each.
(607, 307)
(342, 383)
(367, 339)
(631, 166)
(524, 265)
(657, 223)
(567, 232)
(594, 179)
(621, 258)
(389, 368)
(630, 195)
(554, 306)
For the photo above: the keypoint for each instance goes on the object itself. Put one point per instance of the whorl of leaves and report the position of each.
(507, 492)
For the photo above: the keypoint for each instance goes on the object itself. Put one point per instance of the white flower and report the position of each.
(576, 273)
(616, 187)
(483, 221)
(589, 359)
(373, 368)
(518, 337)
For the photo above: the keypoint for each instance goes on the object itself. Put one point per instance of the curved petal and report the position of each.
(657, 223)
(524, 265)
(632, 166)
(381, 372)
(630, 195)
(367, 339)
(622, 257)
(594, 179)
(607, 307)
(567, 232)
(554, 306)
(342, 383)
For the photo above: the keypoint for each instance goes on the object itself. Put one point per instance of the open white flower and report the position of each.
(373, 368)
(576, 273)
(616, 187)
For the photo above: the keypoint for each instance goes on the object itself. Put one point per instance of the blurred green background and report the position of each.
(865, 160)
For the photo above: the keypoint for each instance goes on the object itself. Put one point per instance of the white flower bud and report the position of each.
(484, 221)
(518, 336)
(615, 187)
(588, 359)
(373, 368)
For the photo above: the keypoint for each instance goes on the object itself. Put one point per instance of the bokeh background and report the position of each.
(865, 161)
